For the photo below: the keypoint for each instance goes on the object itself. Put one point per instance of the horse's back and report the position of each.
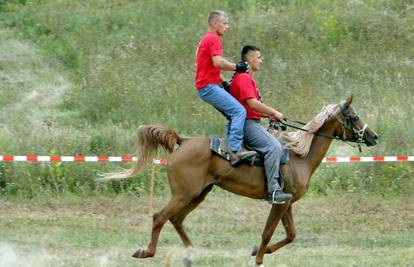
(194, 165)
(194, 151)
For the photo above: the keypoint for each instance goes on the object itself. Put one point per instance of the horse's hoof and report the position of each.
(140, 253)
(254, 250)
(187, 261)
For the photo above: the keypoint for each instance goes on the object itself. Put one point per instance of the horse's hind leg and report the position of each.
(173, 207)
(177, 220)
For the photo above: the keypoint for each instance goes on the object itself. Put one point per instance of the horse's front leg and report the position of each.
(275, 215)
(289, 225)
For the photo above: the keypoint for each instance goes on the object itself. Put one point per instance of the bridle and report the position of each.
(346, 121)
(349, 124)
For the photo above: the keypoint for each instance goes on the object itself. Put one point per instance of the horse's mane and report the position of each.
(300, 141)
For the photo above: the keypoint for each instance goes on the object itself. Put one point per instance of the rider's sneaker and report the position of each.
(245, 154)
(240, 155)
(278, 197)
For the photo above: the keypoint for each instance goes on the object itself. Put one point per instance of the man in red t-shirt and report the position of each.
(208, 81)
(244, 89)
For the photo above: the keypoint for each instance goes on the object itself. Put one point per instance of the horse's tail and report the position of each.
(149, 140)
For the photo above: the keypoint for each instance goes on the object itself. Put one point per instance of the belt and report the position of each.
(255, 120)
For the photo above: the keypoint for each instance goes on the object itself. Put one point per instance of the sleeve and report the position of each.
(247, 89)
(214, 47)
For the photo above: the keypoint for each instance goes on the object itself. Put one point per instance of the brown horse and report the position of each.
(193, 169)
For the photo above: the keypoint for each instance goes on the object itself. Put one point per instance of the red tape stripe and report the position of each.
(55, 158)
(31, 158)
(79, 159)
(378, 158)
(402, 158)
(8, 158)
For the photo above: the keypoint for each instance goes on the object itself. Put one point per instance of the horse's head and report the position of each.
(353, 128)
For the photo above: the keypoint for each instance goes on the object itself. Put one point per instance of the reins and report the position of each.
(282, 126)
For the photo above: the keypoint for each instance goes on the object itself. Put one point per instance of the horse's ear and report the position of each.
(349, 100)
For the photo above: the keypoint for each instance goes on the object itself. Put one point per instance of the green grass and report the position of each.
(342, 230)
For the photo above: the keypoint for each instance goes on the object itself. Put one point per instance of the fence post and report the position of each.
(151, 193)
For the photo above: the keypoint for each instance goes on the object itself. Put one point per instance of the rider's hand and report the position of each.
(242, 66)
(277, 116)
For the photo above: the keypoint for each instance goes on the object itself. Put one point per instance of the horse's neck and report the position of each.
(320, 146)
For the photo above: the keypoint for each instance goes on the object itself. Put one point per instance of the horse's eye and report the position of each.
(354, 118)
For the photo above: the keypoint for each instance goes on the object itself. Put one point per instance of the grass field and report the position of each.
(345, 230)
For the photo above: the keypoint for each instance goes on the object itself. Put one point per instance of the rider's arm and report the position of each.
(223, 64)
(264, 109)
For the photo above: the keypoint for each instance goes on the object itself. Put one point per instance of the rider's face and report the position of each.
(221, 25)
(255, 60)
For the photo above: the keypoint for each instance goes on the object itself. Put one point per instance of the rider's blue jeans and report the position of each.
(259, 139)
(230, 108)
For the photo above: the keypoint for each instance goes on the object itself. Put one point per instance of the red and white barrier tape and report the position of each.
(66, 158)
(164, 162)
(368, 159)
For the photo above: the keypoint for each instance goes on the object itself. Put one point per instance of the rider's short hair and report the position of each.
(248, 49)
(214, 15)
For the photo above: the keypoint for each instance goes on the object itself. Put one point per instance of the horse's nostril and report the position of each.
(376, 137)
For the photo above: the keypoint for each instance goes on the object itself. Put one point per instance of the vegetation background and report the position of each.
(78, 77)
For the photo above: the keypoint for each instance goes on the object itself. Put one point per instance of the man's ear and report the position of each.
(248, 59)
(349, 100)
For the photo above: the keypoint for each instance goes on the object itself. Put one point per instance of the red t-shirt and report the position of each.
(244, 87)
(206, 72)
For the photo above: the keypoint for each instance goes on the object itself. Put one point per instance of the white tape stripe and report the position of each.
(115, 159)
(43, 158)
(20, 158)
(67, 158)
(343, 159)
(91, 159)
(367, 159)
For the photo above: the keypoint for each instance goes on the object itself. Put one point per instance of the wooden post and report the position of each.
(151, 193)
